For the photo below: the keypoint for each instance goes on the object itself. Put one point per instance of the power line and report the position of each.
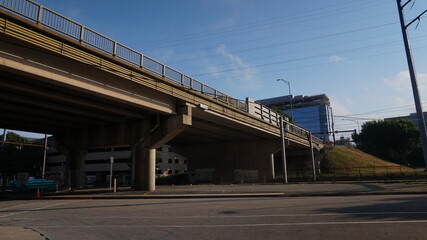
(335, 44)
(284, 69)
(308, 122)
(254, 26)
(240, 42)
(258, 48)
(298, 59)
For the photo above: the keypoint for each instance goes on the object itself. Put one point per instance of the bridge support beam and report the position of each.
(233, 162)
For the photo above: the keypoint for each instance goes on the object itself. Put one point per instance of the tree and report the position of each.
(395, 141)
(283, 114)
(17, 158)
(356, 138)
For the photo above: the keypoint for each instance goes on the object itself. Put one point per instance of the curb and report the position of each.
(168, 196)
(230, 195)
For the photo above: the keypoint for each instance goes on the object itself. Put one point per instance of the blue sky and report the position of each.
(350, 50)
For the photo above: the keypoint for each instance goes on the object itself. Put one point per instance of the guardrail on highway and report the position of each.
(78, 32)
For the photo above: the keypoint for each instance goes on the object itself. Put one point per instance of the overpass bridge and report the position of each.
(87, 90)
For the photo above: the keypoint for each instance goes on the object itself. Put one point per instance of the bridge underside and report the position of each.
(31, 105)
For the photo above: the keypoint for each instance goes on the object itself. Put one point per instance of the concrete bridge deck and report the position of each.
(88, 96)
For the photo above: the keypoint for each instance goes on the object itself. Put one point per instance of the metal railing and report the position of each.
(267, 114)
(76, 31)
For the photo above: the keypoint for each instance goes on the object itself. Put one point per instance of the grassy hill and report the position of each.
(348, 160)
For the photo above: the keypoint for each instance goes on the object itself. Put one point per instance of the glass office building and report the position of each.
(310, 112)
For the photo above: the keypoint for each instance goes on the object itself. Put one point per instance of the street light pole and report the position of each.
(44, 161)
(290, 95)
(282, 137)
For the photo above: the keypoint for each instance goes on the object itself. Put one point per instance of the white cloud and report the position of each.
(225, 23)
(366, 89)
(213, 70)
(336, 59)
(235, 60)
(401, 82)
(399, 89)
(399, 101)
(422, 80)
(240, 74)
(338, 108)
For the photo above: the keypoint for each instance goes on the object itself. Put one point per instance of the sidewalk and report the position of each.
(248, 190)
(19, 233)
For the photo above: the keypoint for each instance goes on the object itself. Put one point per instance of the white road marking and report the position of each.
(260, 216)
(11, 214)
(234, 225)
(17, 206)
(40, 208)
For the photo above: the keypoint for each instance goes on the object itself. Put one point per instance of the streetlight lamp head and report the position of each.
(283, 80)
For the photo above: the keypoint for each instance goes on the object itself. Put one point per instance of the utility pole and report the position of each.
(333, 127)
(44, 161)
(418, 106)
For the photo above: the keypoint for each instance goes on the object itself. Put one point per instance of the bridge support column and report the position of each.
(273, 173)
(143, 136)
(77, 173)
(74, 147)
(159, 134)
(303, 163)
(145, 167)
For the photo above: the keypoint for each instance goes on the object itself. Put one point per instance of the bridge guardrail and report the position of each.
(79, 32)
(267, 114)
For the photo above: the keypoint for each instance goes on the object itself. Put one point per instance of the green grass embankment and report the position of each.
(343, 160)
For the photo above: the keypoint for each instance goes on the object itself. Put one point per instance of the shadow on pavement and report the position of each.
(393, 208)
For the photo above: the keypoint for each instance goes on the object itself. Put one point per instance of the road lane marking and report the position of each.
(17, 206)
(252, 216)
(235, 225)
(258, 216)
(39, 208)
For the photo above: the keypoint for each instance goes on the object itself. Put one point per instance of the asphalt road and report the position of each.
(351, 217)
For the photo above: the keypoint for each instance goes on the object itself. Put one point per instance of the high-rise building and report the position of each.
(313, 113)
